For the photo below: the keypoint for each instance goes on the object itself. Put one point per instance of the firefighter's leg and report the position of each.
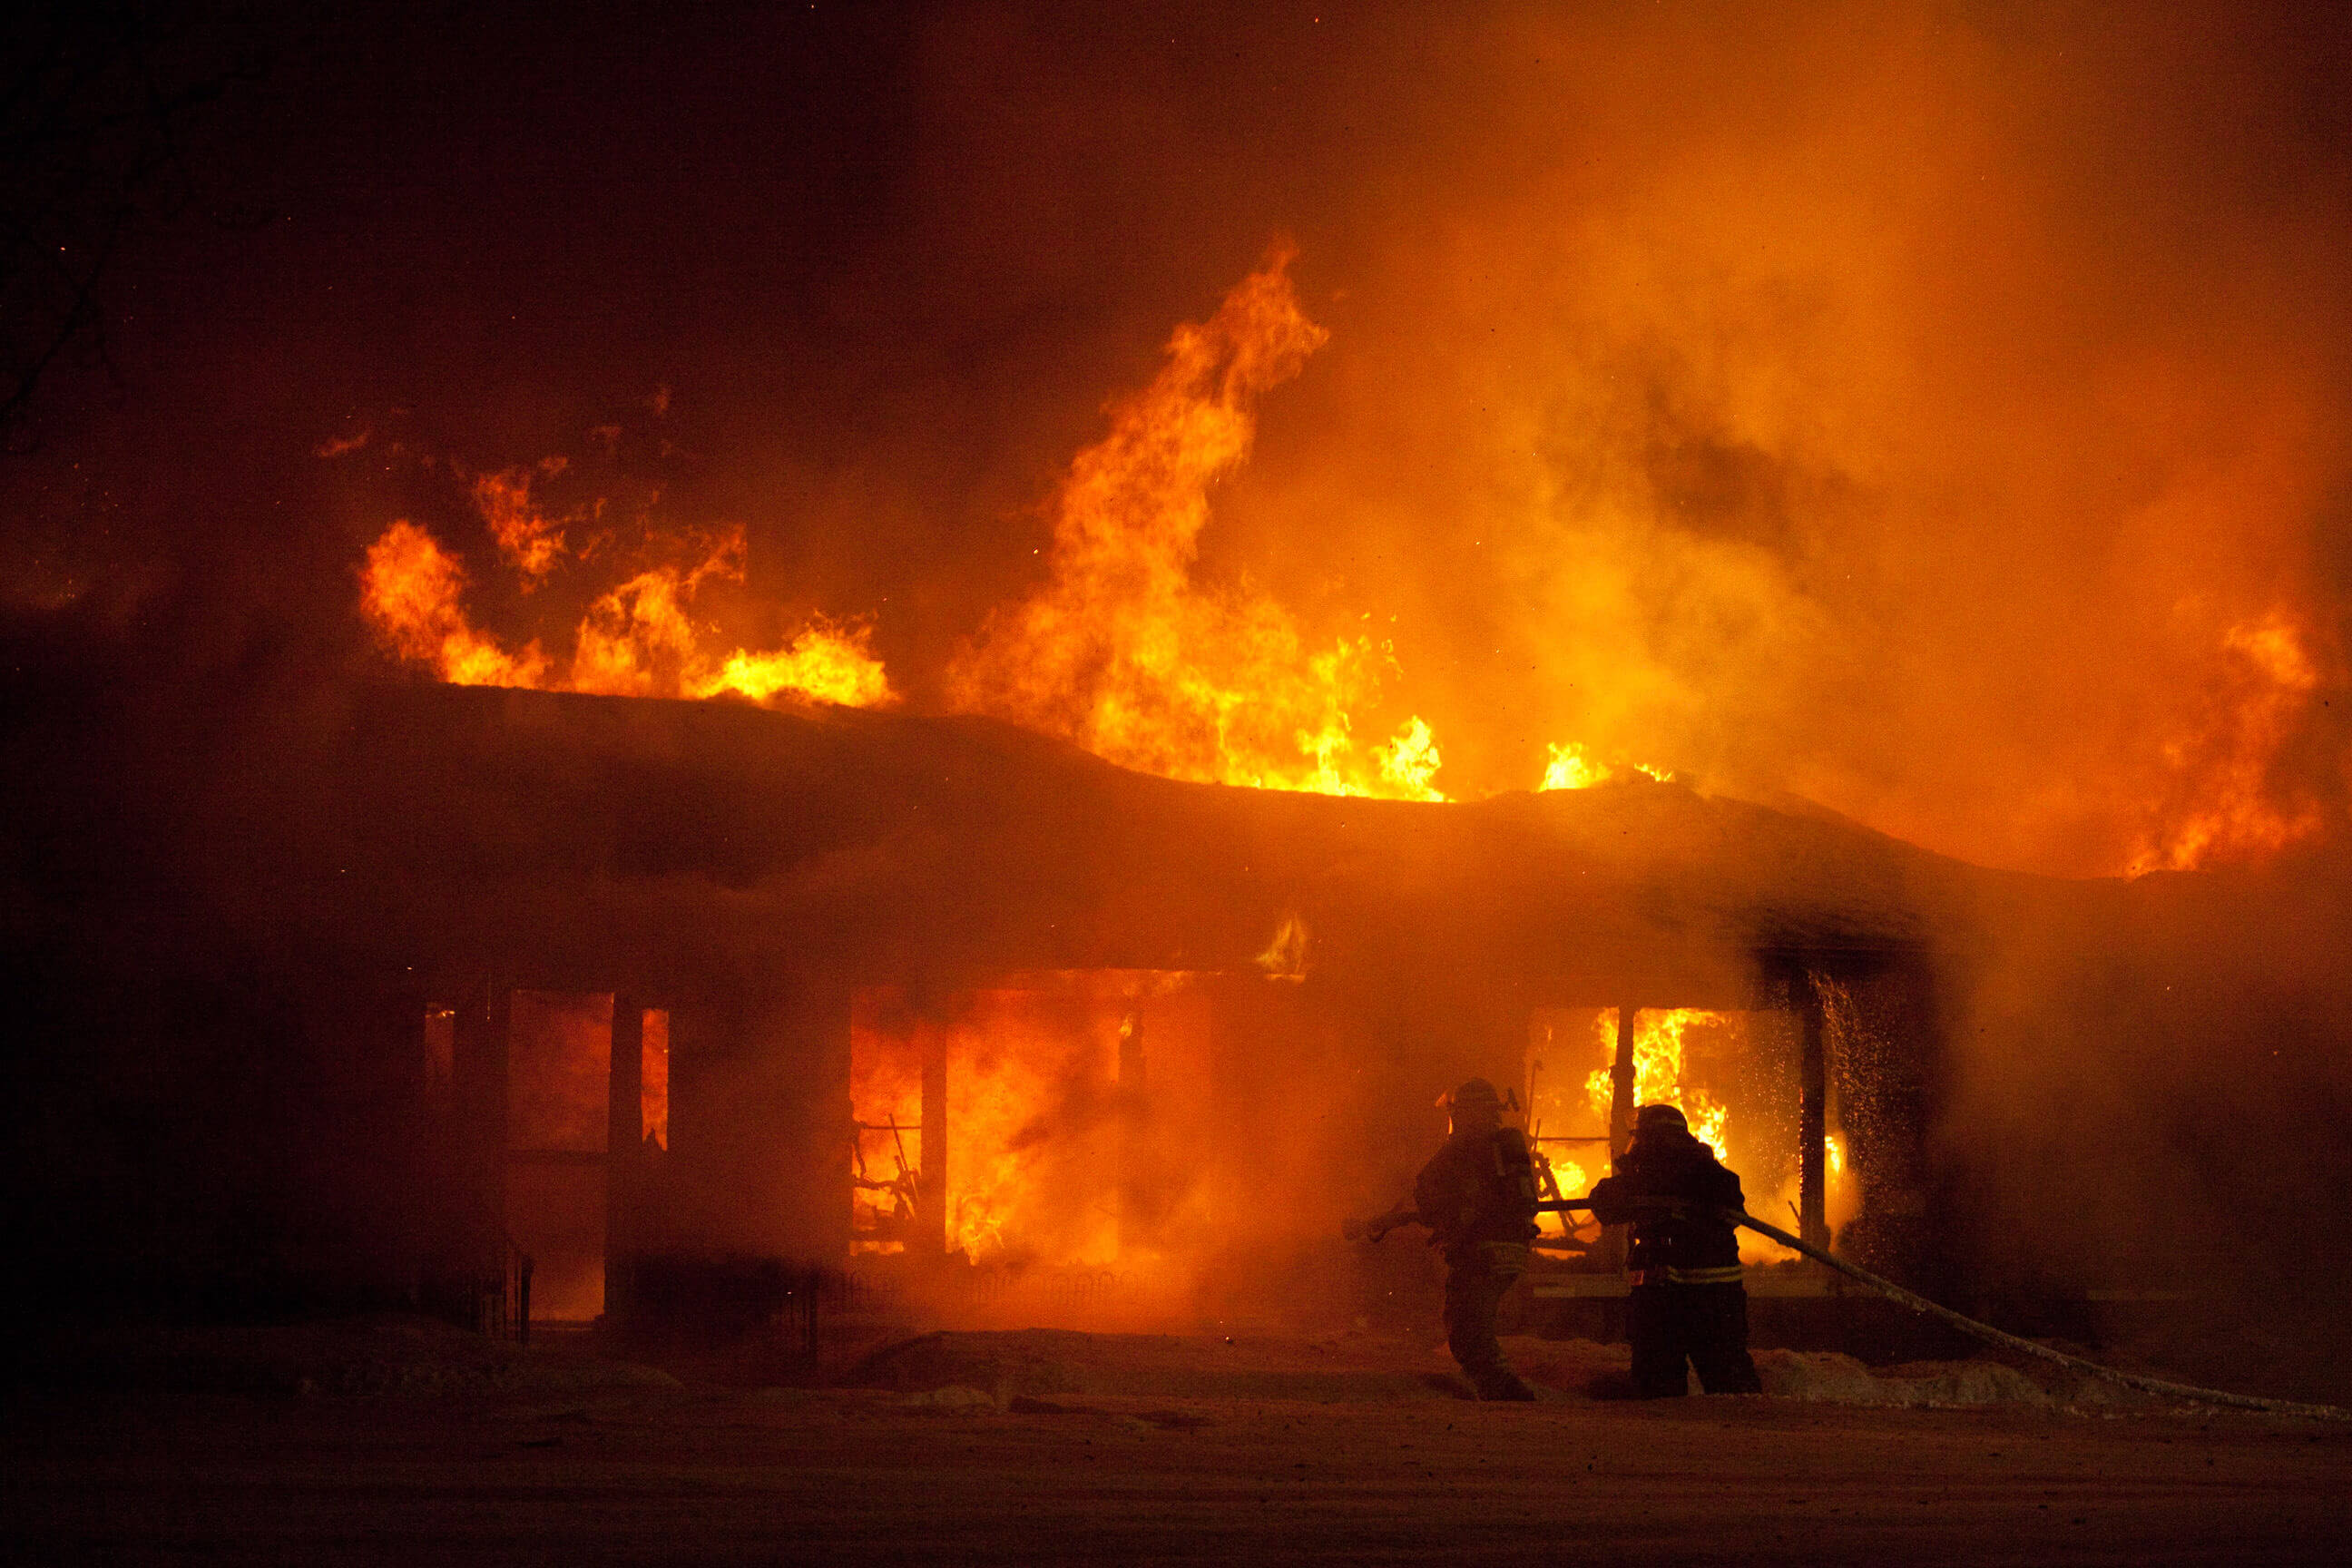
(1470, 1302)
(1718, 1339)
(1654, 1327)
(1473, 1294)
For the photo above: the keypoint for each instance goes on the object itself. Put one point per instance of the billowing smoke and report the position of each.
(1927, 412)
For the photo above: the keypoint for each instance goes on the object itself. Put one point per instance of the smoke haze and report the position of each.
(1931, 411)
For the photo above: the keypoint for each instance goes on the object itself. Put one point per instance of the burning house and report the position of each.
(842, 988)
(1114, 978)
(649, 796)
(769, 769)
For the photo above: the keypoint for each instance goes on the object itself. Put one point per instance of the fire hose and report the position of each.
(1372, 1230)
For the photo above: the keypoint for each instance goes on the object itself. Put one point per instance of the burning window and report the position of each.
(1054, 1153)
(1733, 1074)
(653, 1081)
(1030, 1091)
(559, 1126)
(559, 1090)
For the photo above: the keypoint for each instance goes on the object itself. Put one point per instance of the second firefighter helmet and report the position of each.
(1658, 1118)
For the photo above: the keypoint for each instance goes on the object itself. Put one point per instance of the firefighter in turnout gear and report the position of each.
(1478, 1196)
(1687, 1302)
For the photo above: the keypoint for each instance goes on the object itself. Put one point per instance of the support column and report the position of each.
(624, 1146)
(1132, 1103)
(1621, 1086)
(480, 1071)
(931, 1188)
(1620, 1122)
(1813, 1114)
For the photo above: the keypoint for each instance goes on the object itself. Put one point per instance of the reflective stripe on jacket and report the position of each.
(1664, 1275)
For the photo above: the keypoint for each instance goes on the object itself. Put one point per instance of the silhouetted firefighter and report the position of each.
(1686, 1301)
(1478, 1196)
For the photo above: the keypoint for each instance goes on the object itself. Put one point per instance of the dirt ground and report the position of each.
(398, 1445)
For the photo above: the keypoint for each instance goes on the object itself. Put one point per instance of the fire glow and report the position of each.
(1665, 1073)
(1119, 650)
(640, 638)
(1029, 1103)
(1122, 649)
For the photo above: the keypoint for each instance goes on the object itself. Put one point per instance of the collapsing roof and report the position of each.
(665, 844)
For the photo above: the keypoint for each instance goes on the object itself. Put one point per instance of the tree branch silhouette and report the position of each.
(92, 117)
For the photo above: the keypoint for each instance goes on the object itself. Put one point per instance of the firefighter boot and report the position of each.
(1502, 1384)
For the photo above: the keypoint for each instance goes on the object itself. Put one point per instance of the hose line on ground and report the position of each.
(1373, 1230)
(1993, 1336)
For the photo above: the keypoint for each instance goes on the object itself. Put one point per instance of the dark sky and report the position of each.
(489, 229)
(1920, 408)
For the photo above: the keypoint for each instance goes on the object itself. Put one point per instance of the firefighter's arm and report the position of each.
(1446, 1202)
(1608, 1206)
(1379, 1225)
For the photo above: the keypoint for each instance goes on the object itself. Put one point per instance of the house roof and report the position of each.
(668, 839)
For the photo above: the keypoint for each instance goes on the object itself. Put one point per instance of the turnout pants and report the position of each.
(1706, 1325)
(1476, 1280)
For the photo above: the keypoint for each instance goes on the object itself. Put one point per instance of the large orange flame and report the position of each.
(1026, 1113)
(1123, 652)
(640, 639)
(1658, 1072)
(1663, 1075)
(1123, 649)
(2221, 807)
(412, 592)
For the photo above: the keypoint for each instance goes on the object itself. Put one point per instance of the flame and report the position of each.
(410, 591)
(2222, 806)
(1408, 762)
(1662, 1074)
(653, 1083)
(1284, 957)
(885, 1099)
(1571, 766)
(1019, 1135)
(1573, 1181)
(1024, 1092)
(1124, 649)
(1658, 1068)
(829, 661)
(1122, 652)
(639, 639)
(529, 540)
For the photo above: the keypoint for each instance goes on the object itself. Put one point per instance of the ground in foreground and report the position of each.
(1274, 1454)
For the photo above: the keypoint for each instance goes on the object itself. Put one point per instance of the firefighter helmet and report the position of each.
(1476, 1092)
